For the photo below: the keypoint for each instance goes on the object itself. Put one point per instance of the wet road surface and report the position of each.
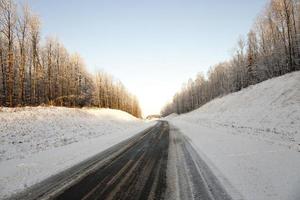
(156, 164)
(138, 173)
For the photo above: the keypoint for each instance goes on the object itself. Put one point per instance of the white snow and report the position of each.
(171, 116)
(252, 138)
(36, 143)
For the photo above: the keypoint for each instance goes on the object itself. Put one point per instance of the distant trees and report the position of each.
(34, 72)
(112, 94)
(272, 49)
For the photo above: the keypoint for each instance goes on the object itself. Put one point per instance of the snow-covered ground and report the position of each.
(252, 138)
(36, 143)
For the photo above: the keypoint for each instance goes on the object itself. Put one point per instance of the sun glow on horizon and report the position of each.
(153, 47)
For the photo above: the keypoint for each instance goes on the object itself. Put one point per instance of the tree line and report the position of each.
(35, 72)
(271, 49)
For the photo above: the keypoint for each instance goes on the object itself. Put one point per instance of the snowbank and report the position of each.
(251, 138)
(36, 143)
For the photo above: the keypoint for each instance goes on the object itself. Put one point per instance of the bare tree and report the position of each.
(22, 34)
(8, 23)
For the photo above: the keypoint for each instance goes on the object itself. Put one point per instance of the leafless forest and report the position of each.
(271, 49)
(42, 72)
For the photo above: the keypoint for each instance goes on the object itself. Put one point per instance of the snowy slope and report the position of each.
(171, 116)
(252, 138)
(38, 142)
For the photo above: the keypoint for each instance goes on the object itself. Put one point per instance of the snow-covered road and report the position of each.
(189, 176)
(255, 169)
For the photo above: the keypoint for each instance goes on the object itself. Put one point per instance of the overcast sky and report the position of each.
(152, 46)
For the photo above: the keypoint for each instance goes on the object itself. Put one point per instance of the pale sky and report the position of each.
(152, 46)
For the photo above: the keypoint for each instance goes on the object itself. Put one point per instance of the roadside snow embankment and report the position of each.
(36, 143)
(252, 138)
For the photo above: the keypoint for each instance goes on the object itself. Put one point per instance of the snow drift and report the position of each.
(251, 138)
(36, 143)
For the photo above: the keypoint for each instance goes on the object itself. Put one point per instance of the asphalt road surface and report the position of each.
(155, 164)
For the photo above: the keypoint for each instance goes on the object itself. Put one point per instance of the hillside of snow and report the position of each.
(171, 116)
(251, 138)
(269, 110)
(36, 143)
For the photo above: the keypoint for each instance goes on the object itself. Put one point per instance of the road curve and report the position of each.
(155, 164)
